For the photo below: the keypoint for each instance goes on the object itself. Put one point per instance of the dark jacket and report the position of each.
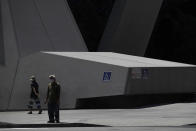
(34, 85)
(53, 93)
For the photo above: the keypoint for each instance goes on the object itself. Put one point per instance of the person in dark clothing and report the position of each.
(53, 100)
(34, 96)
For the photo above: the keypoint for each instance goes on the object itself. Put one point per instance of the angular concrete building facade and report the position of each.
(41, 37)
(90, 75)
(30, 26)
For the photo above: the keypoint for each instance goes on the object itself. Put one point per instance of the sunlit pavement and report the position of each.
(175, 117)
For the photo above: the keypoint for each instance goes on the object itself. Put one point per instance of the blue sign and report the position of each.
(107, 76)
(145, 73)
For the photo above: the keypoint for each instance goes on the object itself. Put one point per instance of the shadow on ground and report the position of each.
(11, 125)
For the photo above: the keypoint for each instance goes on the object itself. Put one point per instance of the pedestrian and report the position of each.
(53, 100)
(34, 96)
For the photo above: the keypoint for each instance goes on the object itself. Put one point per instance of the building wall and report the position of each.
(45, 25)
(167, 80)
(78, 79)
(130, 26)
(2, 54)
(30, 26)
(9, 68)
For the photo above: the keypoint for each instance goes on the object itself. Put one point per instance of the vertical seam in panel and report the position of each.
(2, 61)
(127, 81)
(14, 28)
(19, 53)
(13, 84)
(44, 26)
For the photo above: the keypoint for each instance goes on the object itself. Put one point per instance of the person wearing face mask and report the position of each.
(53, 100)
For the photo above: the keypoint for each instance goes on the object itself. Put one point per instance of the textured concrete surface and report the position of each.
(175, 115)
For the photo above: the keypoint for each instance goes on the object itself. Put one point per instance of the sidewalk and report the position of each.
(175, 115)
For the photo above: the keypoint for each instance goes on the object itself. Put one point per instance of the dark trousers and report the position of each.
(36, 101)
(53, 112)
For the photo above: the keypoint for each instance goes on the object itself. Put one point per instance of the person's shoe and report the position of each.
(57, 121)
(50, 122)
(40, 111)
(30, 112)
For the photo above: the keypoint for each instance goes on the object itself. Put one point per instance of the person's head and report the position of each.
(52, 78)
(32, 78)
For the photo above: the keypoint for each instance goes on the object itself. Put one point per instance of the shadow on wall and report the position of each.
(134, 101)
(173, 37)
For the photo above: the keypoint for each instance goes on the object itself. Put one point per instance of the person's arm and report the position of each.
(58, 93)
(37, 94)
(47, 95)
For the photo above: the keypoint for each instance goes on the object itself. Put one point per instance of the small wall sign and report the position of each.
(107, 76)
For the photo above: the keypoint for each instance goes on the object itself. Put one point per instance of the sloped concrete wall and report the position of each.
(130, 26)
(78, 78)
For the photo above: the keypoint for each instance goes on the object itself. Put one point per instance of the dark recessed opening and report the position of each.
(91, 17)
(174, 34)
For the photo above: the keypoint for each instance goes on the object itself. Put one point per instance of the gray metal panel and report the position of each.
(11, 56)
(130, 26)
(78, 78)
(163, 80)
